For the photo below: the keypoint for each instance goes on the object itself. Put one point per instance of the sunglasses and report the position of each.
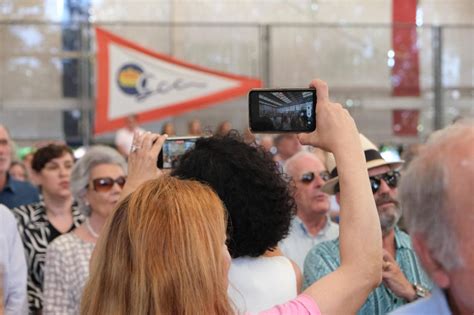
(104, 184)
(310, 176)
(391, 178)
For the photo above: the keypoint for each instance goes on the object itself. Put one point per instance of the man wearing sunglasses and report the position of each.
(404, 280)
(312, 224)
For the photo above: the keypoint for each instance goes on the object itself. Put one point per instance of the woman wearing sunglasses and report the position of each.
(97, 181)
(40, 223)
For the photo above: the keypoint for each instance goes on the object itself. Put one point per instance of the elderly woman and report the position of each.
(97, 181)
(40, 223)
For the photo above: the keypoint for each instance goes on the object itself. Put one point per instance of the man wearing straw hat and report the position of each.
(404, 280)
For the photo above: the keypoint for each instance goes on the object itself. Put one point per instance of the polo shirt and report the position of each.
(17, 193)
(324, 259)
(299, 241)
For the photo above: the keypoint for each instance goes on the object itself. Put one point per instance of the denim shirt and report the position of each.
(17, 193)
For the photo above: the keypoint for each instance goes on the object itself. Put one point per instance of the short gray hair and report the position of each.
(288, 167)
(424, 192)
(80, 176)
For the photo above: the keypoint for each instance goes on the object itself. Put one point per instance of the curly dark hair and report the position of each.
(45, 154)
(257, 198)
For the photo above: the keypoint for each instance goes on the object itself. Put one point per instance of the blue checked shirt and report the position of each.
(324, 259)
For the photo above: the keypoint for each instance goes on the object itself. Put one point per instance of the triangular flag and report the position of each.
(135, 80)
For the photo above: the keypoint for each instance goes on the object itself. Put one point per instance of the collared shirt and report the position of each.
(299, 241)
(434, 304)
(13, 265)
(17, 193)
(324, 259)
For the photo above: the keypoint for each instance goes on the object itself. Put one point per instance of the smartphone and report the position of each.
(173, 149)
(282, 110)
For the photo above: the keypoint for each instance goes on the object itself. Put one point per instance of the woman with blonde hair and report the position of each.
(151, 235)
(163, 250)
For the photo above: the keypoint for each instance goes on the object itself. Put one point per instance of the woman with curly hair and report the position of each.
(163, 251)
(259, 207)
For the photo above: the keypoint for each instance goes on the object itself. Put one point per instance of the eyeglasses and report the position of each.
(104, 184)
(310, 176)
(391, 178)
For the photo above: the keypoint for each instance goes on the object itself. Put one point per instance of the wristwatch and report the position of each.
(420, 291)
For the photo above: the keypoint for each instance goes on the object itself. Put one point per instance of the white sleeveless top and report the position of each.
(257, 284)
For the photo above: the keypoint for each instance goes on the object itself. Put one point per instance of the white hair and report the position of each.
(80, 176)
(289, 166)
(424, 190)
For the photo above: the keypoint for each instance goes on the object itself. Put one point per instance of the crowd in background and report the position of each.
(275, 201)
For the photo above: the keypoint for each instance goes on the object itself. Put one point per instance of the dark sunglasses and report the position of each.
(104, 184)
(310, 176)
(391, 178)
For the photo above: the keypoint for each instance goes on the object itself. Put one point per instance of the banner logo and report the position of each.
(134, 81)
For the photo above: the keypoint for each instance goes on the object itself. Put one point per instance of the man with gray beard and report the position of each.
(404, 280)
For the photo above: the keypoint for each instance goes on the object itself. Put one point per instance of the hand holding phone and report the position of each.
(173, 149)
(336, 128)
(282, 110)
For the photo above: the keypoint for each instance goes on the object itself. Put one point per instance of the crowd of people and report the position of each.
(242, 225)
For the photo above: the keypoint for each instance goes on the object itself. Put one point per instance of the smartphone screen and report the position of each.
(173, 149)
(282, 110)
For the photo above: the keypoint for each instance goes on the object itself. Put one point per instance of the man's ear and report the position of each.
(434, 268)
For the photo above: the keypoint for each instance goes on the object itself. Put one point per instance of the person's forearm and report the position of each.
(359, 223)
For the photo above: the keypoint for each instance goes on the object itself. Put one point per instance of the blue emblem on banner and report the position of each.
(128, 78)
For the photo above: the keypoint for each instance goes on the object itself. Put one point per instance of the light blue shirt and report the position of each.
(13, 264)
(299, 241)
(434, 304)
(324, 259)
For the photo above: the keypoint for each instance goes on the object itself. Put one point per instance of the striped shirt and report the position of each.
(324, 259)
(36, 233)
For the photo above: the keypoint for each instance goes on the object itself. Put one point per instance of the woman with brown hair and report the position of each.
(163, 251)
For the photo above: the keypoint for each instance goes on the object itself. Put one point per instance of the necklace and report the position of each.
(90, 229)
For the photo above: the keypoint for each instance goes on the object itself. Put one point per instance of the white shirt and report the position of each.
(12, 265)
(434, 304)
(299, 241)
(257, 284)
(124, 138)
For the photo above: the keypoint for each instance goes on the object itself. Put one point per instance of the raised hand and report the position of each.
(335, 128)
(142, 160)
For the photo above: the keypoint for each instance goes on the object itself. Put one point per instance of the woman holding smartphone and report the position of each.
(167, 239)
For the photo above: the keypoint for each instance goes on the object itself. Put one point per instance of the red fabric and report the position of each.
(406, 71)
(405, 122)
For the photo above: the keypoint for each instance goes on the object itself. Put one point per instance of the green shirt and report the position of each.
(324, 258)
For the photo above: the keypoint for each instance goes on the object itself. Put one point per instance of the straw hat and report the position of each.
(373, 159)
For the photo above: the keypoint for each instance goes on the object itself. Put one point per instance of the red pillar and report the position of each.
(406, 70)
